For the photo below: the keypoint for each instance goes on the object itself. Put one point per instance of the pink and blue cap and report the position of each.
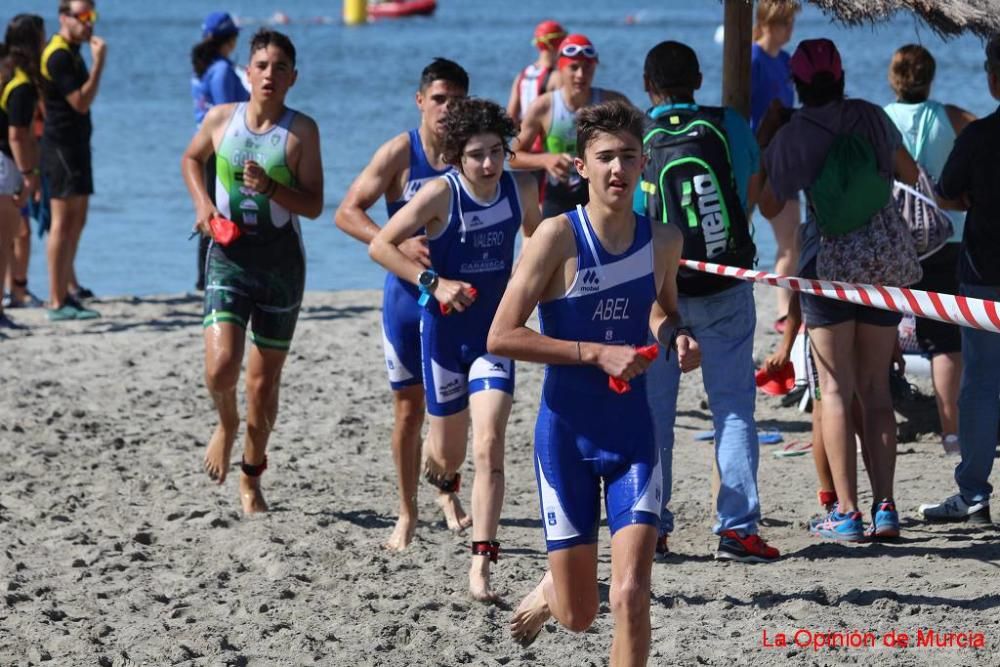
(816, 56)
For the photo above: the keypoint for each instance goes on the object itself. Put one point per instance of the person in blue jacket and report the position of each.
(214, 81)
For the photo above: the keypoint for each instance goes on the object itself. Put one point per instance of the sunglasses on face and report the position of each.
(88, 16)
(574, 50)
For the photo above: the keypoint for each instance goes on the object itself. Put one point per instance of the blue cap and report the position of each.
(218, 24)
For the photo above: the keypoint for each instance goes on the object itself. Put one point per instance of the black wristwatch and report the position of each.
(427, 280)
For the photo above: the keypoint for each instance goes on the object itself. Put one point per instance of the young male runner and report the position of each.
(698, 179)
(471, 219)
(602, 277)
(69, 91)
(397, 171)
(269, 172)
(553, 116)
(538, 78)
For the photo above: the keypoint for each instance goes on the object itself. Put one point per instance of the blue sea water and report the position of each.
(358, 83)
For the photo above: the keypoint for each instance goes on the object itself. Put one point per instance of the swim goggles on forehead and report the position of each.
(576, 50)
(549, 38)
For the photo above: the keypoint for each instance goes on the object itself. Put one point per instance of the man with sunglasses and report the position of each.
(553, 117)
(69, 91)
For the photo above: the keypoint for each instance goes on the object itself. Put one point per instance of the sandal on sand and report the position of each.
(794, 448)
(253, 471)
(486, 548)
(769, 437)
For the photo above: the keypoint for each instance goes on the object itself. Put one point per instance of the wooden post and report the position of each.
(736, 55)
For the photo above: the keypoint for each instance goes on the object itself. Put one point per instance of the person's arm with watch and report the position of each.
(428, 210)
(664, 318)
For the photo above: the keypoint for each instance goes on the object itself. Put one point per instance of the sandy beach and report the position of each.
(115, 549)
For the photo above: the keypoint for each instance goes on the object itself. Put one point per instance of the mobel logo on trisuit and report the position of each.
(689, 182)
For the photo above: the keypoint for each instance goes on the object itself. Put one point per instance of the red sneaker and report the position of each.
(745, 549)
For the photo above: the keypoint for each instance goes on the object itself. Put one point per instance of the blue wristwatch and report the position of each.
(426, 281)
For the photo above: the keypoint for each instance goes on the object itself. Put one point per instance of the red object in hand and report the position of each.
(620, 386)
(778, 383)
(224, 230)
(446, 309)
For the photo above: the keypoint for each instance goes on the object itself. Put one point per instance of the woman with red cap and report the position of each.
(553, 116)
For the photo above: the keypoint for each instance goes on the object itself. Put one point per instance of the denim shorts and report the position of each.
(820, 311)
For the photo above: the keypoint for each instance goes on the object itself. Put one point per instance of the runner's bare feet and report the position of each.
(251, 496)
(531, 614)
(454, 515)
(217, 454)
(479, 580)
(402, 534)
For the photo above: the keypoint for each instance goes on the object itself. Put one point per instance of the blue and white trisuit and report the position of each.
(586, 433)
(400, 312)
(475, 246)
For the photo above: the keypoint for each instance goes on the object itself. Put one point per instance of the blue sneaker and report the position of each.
(885, 522)
(841, 527)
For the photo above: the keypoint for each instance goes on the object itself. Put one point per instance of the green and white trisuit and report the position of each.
(260, 277)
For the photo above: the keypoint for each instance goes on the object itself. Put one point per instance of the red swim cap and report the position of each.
(576, 47)
(548, 35)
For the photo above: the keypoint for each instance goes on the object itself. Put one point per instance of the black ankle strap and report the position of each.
(447, 485)
(486, 548)
(253, 471)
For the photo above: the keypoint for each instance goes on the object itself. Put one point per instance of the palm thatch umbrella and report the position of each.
(946, 17)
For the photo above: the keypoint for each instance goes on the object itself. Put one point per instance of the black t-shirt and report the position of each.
(19, 111)
(973, 170)
(66, 73)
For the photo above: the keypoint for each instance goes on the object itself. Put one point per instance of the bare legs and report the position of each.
(10, 219)
(786, 236)
(224, 344)
(490, 410)
(946, 373)
(568, 592)
(446, 449)
(408, 404)
(68, 218)
(874, 346)
(854, 359)
(444, 455)
(263, 383)
(17, 268)
(833, 347)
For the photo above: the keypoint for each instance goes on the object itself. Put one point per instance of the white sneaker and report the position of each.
(951, 445)
(956, 509)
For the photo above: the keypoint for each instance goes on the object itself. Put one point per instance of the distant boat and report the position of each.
(392, 9)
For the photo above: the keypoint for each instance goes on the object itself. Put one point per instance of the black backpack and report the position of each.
(689, 182)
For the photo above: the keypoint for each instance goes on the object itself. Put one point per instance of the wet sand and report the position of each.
(115, 549)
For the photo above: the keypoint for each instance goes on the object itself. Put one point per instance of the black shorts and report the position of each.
(68, 169)
(819, 311)
(558, 199)
(259, 285)
(940, 275)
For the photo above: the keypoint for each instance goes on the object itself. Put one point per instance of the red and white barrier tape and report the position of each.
(961, 310)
